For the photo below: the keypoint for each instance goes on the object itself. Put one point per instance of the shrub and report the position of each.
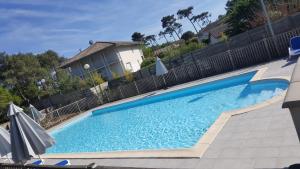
(5, 98)
(224, 37)
(161, 55)
(128, 75)
(82, 84)
(187, 35)
(183, 49)
(193, 40)
(148, 52)
(115, 75)
(148, 61)
(98, 79)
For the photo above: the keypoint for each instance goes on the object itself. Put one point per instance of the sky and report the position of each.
(66, 26)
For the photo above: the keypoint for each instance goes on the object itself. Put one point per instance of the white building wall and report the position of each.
(110, 61)
(132, 57)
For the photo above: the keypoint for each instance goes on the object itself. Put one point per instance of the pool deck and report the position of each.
(261, 138)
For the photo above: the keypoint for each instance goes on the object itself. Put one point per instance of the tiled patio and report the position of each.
(263, 138)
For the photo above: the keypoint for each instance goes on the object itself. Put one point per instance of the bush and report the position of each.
(193, 40)
(128, 75)
(148, 62)
(148, 52)
(183, 49)
(115, 75)
(224, 37)
(187, 35)
(174, 52)
(98, 79)
(161, 55)
(5, 98)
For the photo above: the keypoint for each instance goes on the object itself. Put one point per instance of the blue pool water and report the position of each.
(172, 120)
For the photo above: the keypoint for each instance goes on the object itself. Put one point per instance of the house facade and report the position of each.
(107, 59)
(213, 31)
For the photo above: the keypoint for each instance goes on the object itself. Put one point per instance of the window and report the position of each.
(129, 66)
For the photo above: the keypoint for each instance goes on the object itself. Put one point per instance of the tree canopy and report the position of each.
(137, 37)
(170, 25)
(187, 35)
(5, 98)
(49, 59)
(23, 72)
(151, 39)
(187, 13)
(240, 15)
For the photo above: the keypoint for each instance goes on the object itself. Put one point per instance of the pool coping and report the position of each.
(196, 151)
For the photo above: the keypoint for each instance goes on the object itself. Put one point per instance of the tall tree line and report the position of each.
(172, 28)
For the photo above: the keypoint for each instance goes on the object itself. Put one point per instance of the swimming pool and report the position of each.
(172, 120)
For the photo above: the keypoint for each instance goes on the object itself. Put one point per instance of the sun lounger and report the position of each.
(294, 48)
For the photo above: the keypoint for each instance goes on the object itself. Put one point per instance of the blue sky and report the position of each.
(67, 25)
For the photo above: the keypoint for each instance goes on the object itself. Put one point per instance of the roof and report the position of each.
(96, 47)
(215, 28)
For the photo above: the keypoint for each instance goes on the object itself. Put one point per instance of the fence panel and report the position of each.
(193, 71)
(182, 74)
(222, 62)
(115, 94)
(238, 58)
(160, 81)
(129, 90)
(206, 66)
(146, 85)
(170, 78)
(88, 103)
(145, 72)
(271, 48)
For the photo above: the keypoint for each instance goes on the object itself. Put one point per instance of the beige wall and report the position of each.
(132, 57)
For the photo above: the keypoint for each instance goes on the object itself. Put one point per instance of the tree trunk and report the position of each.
(200, 27)
(193, 25)
(173, 36)
(165, 38)
(176, 34)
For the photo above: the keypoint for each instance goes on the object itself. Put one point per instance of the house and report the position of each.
(107, 58)
(213, 31)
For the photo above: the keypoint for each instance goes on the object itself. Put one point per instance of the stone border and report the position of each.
(196, 151)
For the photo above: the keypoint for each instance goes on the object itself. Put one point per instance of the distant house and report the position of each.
(106, 58)
(214, 30)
